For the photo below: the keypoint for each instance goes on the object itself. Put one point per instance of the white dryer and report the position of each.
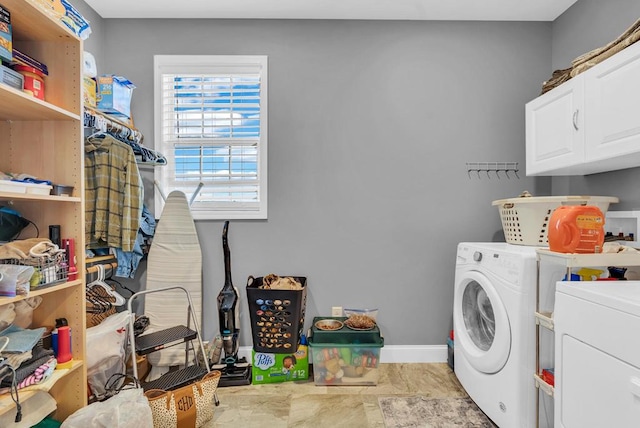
(494, 327)
(597, 354)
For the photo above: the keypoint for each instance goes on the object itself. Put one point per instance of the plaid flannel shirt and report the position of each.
(113, 193)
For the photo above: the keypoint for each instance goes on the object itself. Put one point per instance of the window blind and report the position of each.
(212, 123)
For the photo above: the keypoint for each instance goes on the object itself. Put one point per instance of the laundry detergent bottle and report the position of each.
(576, 229)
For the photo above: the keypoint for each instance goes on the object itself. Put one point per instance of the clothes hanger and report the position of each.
(99, 307)
(98, 134)
(100, 282)
(100, 125)
(118, 284)
(99, 304)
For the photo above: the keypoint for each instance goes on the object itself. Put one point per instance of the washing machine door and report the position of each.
(482, 327)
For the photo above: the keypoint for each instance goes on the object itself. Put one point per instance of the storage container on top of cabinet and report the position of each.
(44, 139)
(590, 123)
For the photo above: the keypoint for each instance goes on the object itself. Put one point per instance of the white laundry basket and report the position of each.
(525, 219)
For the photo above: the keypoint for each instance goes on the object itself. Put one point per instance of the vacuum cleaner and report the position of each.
(235, 371)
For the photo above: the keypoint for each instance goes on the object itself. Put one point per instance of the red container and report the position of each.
(33, 80)
(576, 229)
(64, 347)
(548, 376)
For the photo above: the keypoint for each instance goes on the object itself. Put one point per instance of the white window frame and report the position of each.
(163, 175)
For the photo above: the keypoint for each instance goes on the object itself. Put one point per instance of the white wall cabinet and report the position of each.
(554, 129)
(44, 139)
(590, 123)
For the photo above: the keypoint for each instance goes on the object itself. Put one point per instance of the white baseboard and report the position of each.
(394, 353)
(414, 354)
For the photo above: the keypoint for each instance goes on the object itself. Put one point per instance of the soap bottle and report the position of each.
(302, 348)
(576, 229)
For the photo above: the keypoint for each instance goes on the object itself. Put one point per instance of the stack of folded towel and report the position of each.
(21, 346)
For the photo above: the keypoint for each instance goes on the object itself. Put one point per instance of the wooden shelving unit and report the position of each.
(44, 139)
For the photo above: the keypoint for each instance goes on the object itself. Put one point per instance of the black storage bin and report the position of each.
(277, 316)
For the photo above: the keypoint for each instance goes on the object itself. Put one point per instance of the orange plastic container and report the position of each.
(33, 80)
(576, 229)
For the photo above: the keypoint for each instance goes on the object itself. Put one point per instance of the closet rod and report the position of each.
(93, 269)
(109, 262)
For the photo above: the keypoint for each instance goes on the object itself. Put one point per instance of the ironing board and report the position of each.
(175, 259)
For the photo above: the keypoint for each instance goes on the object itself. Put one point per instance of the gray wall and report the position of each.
(370, 127)
(587, 25)
(96, 41)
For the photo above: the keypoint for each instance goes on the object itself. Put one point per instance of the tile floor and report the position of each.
(303, 404)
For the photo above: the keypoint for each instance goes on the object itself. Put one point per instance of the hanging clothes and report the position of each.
(128, 261)
(113, 193)
(125, 134)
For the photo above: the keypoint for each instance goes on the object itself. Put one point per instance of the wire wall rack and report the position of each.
(498, 170)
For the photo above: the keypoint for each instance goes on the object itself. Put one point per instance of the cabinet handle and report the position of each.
(575, 119)
(634, 386)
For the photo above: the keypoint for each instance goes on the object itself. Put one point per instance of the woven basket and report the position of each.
(525, 219)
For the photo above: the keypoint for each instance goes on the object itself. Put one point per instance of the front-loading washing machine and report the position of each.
(495, 330)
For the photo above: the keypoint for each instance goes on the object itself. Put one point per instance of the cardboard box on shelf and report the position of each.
(114, 95)
(89, 91)
(11, 78)
(6, 44)
(68, 16)
(21, 58)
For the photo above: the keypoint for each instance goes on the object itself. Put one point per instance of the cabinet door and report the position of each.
(611, 102)
(555, 131)
(595, 389)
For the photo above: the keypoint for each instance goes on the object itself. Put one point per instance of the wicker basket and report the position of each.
(525, 219)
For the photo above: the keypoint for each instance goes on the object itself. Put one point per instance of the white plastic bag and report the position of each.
(98, 375)
(107, 339)
(14, 279)
(106, 350)
(371, 313)
(129, 408)
(89, 68)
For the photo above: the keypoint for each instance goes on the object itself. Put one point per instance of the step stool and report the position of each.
(172, 336)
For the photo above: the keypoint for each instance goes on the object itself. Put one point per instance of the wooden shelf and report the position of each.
(30, 22)
(6, 402)
(40, 292)
(34, 197)
(44, 138)
(17, 105)
(101, 259)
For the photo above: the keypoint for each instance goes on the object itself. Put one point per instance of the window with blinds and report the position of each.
(211, 121)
